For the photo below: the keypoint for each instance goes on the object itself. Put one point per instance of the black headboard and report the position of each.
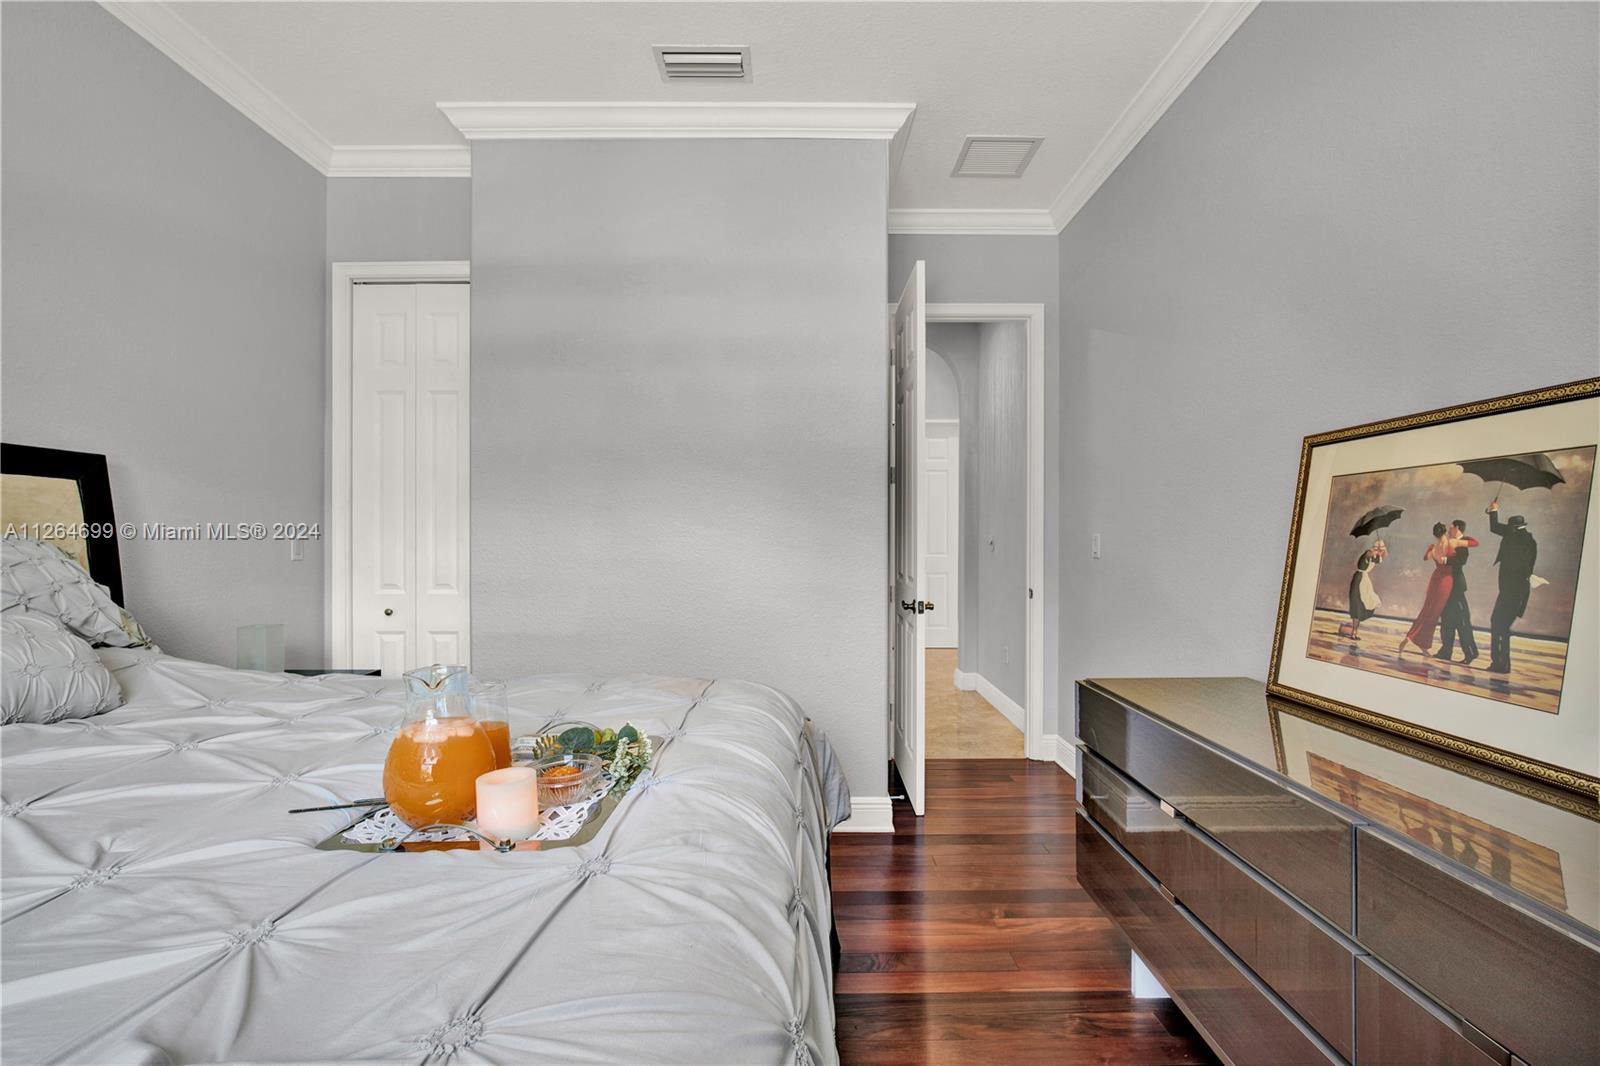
(88, 472)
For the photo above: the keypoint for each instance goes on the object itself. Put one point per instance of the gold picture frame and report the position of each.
(1361, 683)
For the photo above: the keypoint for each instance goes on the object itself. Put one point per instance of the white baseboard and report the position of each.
(1062, 752)
(868, 814)
(998, 700)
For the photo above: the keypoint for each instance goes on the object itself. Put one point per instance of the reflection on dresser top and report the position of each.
(1541, 843)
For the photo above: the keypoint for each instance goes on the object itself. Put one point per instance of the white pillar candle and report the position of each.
(508, 803)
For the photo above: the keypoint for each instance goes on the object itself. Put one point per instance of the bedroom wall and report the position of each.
(399, 219)
(678, 451)
(163, 284)
(1355, 211)
(991, 269)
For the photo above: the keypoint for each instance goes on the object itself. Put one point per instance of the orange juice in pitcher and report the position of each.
(431, 772)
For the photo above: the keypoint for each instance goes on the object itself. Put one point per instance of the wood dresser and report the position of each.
(1310, 890)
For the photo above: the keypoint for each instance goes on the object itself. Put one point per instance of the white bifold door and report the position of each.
(409, 492)
(908, 339)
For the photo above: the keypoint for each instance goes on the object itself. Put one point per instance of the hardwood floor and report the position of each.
(966, 938)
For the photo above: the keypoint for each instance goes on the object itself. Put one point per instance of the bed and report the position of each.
(159, 904)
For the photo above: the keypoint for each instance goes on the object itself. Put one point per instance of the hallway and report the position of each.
(963, 725)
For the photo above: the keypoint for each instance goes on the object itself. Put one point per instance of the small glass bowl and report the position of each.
(577, 778)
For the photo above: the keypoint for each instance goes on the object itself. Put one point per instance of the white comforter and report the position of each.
(160, 906)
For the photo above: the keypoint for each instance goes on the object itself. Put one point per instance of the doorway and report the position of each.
(399, 509)
(973, 465)
(910, 600)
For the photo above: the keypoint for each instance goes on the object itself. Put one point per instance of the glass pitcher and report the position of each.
(432, 769)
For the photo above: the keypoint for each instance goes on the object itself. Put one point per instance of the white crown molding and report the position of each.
(601, 120)
(159, 24)
(1205, 36)
(974, 222)
(162, 26)
(400, 161)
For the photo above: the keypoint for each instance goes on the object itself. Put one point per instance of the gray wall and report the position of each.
(164, 305)
(399, 219)
(679, 418)
(1007, 270)
(957, 343)
(1001, 506)
(1355, 211)
(944, 395)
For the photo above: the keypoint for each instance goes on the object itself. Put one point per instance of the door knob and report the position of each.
(926, 605)
(918, 606)
(907, 605)
(387, 611)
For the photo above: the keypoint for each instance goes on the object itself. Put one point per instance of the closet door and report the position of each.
(409, 499)
(443, 497)
(383, 495)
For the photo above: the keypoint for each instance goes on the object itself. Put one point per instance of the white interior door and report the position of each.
(409, 505)
(909, 340)
(941, 504)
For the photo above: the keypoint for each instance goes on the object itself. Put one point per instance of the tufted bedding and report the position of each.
(160, 906)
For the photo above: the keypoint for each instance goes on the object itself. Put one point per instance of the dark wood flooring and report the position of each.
(966, 938)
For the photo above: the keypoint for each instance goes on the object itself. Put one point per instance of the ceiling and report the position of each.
(354, 87)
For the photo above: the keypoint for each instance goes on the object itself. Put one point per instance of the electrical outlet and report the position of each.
(1005, 654)
(297, 550)
(1094, 546)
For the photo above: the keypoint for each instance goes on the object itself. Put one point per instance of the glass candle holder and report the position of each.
(508, 803)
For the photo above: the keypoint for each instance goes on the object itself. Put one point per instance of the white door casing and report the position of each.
(1037, 744)
(909, 730)
(941, 503)
(409, 502)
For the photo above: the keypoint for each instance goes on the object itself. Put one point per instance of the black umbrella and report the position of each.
(1531, 471)
(1376, 519)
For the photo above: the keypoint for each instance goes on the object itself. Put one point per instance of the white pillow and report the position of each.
(40, 578)
(47, 674)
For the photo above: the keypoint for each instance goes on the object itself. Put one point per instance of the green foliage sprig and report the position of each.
(626, 751)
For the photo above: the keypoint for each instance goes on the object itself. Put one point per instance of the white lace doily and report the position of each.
(555, 823)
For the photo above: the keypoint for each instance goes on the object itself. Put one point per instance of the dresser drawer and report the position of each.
(1302, 844)
(1232, 1009)
(1396, 1026)
(1301, 959)
(1525, 979)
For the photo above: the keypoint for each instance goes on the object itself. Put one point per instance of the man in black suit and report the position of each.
(1455, 622)
(1518, 550)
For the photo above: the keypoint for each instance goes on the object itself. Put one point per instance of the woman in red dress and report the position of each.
(1439, 582)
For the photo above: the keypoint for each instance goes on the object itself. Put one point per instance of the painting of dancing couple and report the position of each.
(1413, 587)
(1443, 574)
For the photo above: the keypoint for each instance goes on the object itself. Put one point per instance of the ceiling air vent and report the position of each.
(995, 157)
(678, 64)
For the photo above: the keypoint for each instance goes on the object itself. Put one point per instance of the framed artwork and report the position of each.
(1443, 581)
(1541, 841)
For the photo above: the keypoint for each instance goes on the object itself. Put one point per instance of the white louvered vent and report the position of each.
(679, 63)
(995, 157)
